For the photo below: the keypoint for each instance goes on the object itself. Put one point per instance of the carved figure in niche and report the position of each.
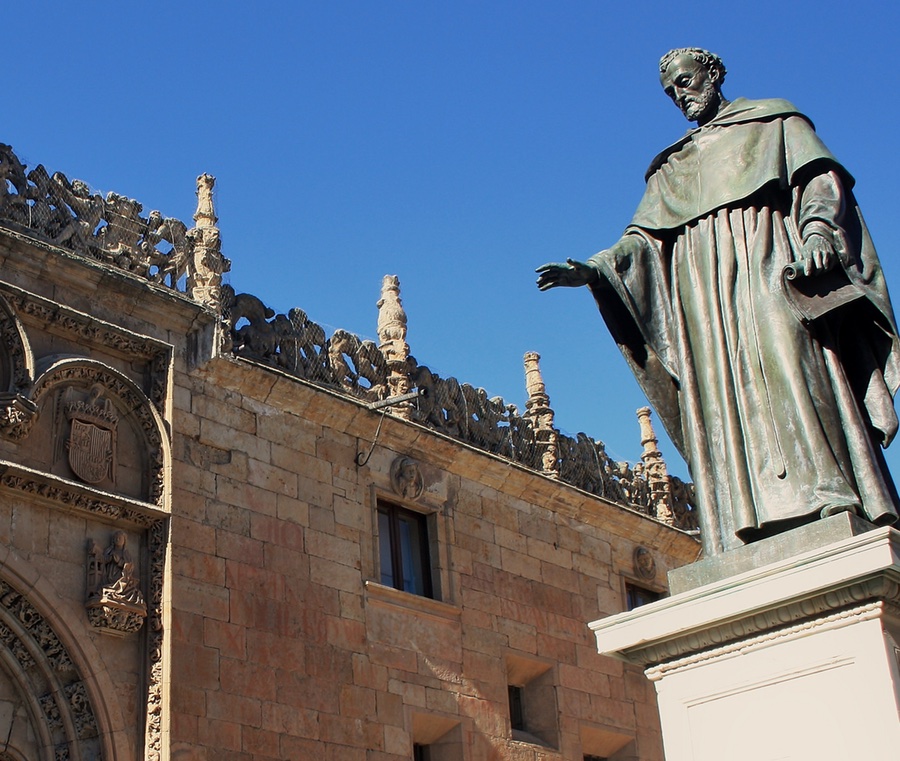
(644, 564)
(114, 598)
(406, 478)
(92, 440)
(749, 301)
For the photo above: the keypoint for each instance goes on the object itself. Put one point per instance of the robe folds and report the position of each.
(779, 420)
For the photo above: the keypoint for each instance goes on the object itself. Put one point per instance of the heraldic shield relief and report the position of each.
(92, 440)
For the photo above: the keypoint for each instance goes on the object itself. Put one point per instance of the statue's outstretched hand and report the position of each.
(818, 255)
(571, 274)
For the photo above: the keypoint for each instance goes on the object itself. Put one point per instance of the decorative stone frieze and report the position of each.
(157, 541)
(75, 497)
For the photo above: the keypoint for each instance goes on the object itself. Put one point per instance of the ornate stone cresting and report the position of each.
(112, 230)
(163, 250)
(540, 415)
(393, 345)
(114, 600)
(295, 344)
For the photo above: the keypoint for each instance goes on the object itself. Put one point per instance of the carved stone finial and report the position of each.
(540, 414)
(205, 216)
(206, 265)
(534, 381)
(114, 599)
(392, 343)
(655, 466)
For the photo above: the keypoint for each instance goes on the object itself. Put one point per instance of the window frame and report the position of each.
(395, 514)
(633, 589)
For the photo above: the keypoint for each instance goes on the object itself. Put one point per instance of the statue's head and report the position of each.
(692, 78)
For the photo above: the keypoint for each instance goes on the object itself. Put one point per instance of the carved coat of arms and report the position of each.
(92, 440)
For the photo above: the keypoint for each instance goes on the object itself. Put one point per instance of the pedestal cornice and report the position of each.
(812, 585)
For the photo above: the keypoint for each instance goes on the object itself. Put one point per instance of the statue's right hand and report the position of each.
(571, 274)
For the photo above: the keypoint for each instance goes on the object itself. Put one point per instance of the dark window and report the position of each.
(420, 752)
(594, 758)
(516, 707)
(636, 596)
(403, 549)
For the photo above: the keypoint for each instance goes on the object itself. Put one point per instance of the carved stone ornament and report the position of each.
(92, 441)
(406, 478)
(85, 376)
(114, 601)
(49, 679)
(644, 564)
(17, 413)
(113, 231)
(295, 344)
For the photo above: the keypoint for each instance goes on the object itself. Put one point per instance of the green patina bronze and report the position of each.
(780, 411)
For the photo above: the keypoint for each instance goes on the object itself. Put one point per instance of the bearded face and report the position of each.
(692, 87)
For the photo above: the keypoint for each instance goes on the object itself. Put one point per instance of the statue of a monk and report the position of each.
(748, 219)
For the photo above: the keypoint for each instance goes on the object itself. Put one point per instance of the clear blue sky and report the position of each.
(455, 144)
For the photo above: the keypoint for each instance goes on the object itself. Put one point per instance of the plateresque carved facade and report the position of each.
(217, 545)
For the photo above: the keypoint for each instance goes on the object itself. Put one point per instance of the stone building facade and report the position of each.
(218, 543)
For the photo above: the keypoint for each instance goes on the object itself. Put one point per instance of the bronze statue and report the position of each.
(749, 301)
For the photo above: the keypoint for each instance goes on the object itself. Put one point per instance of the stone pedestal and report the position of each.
(792, 660)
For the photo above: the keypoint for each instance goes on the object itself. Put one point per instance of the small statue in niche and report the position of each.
(114, 599)
(406, 478)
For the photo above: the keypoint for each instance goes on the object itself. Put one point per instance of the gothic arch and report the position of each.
(60, 711)
(16, 357)
(130, 402)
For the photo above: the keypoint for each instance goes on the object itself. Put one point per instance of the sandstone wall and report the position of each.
(190, 543)
(285, 644)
